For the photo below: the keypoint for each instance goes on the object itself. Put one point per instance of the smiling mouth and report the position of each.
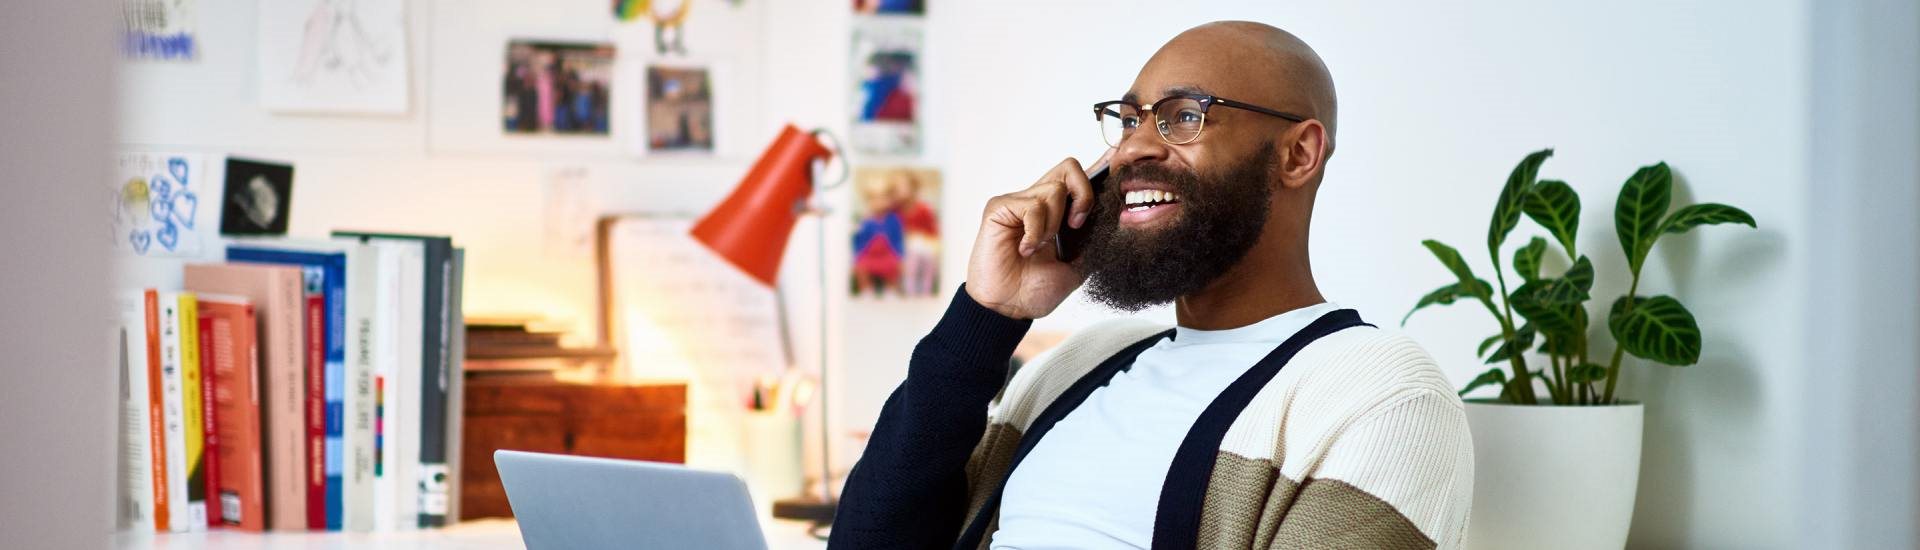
(1147, 199)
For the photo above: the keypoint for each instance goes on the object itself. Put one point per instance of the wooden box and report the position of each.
(640, 422)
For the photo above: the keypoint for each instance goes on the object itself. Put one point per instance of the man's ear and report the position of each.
(1303, 153)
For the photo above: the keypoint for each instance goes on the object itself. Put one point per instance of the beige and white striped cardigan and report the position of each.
(1360, 442)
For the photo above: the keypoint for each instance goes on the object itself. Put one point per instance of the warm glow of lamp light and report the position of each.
(750, 229)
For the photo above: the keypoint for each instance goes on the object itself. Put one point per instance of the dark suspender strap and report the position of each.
(1077, 393)
(1176, 524)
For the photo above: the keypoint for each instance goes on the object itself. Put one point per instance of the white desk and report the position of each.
(472, 535)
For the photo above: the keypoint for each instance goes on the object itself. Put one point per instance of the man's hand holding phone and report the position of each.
(1013, 269)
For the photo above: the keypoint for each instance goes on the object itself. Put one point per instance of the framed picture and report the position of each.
(679, 109)
(557, 88)
(899, 7)
(257, 198)
(896, 232)
(886, 87)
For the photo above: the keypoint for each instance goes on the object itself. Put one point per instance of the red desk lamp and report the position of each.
(750, 230)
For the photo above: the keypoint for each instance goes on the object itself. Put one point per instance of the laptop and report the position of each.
(572, 502)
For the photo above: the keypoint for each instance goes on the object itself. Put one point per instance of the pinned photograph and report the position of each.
(886, 80)
(257, 199)
(679, 109)
(156, 204)
(896, 232)
(890, 7)
(557, 88)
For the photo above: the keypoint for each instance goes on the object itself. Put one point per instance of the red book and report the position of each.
(262, 400)
(156, 413)
(211, 430)
(316, 410)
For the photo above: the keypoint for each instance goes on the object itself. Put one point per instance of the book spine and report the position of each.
(433, 472)
(316, 467)
(336, 392)
(174, 384)
(136, 455)
(193, 412)
(362, 292)
(210, 450)
(283, 430)
(456, 380)
(156, 415)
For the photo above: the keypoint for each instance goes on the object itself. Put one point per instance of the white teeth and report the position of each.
(1146, 196)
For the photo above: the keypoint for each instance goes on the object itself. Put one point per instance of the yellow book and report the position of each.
(194, 411)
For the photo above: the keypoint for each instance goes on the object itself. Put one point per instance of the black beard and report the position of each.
(1220, 217)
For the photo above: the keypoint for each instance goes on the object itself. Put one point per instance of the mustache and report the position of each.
(1183, 181)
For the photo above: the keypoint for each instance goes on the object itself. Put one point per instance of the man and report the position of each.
(1268, 418)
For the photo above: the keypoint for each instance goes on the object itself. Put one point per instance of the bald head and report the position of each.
(1270, 66)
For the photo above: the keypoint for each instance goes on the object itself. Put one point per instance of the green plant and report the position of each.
(1552, 310)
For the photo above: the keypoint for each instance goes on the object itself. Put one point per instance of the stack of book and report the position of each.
(498, 346)
(299, 385)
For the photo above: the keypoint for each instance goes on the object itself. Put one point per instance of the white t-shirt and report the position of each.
(1094, 480)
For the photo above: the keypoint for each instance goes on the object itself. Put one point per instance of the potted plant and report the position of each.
(1558, 468)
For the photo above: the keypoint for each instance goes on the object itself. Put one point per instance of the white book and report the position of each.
(411, 354)
(357, 438)
(136, 433)
(398, 319)
(173, 411)
(363, 288)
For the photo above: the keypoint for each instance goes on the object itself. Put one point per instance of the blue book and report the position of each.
(333, 270)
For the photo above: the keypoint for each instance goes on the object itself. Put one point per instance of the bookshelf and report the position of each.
(491, 534)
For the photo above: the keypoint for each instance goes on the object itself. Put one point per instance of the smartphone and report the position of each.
(1071, 240)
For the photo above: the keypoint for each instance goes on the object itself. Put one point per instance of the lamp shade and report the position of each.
(750, 228)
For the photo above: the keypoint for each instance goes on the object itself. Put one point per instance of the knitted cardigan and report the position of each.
(1358, 443)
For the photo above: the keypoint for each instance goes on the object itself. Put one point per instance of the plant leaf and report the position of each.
(1526, 259)
(1697, 215)
(1554, 205)
(1451, 258)
(1488, 343)
(1656, 328)
(1581, 274)
(1524, 335)
(1586, 372)
(1446, 295)
(1636, 216)
(1558, 345)
(1493, 377)
(1506, 213)
(1553, 305)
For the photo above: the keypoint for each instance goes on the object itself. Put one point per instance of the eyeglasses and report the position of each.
(1179, 118)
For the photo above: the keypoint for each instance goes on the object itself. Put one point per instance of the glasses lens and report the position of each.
(1117, 122)
(1179, 119)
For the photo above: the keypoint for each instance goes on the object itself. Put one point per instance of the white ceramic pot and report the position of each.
(1553, 477)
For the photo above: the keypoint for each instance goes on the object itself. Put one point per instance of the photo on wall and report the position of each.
(257, 199)
(890, 7)
(896, 232)
(557, 88)
(886, 87)
(679, 109)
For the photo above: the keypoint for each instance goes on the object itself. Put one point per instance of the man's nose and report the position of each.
(1142, 144)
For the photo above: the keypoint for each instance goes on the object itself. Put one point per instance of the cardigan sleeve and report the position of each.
(909, 489)
(1400, 476)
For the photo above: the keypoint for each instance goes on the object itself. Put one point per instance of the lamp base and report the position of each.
(806, 508)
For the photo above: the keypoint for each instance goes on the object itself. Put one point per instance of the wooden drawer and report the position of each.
(612, 421)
